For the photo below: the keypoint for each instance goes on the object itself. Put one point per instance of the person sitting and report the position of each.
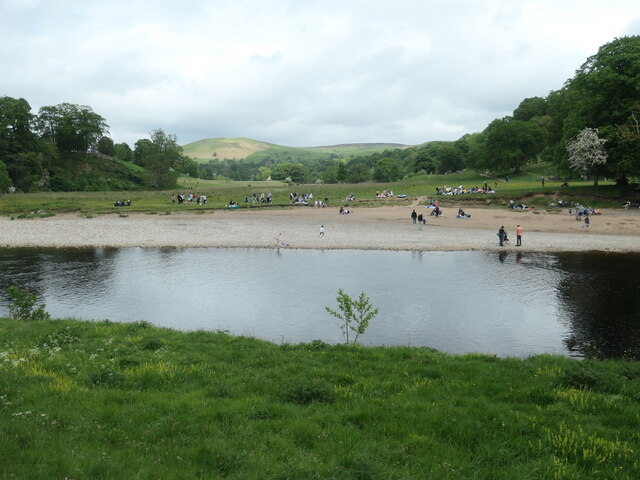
(461, 214)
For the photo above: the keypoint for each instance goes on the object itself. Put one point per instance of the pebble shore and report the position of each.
(387, 228)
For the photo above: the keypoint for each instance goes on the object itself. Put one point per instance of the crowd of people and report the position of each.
(384, 194)
(303, 198)
(192, 197)
(461, 190)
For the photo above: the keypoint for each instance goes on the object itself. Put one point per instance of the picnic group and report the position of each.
(192, 197)
(306, 199)
(461, 190)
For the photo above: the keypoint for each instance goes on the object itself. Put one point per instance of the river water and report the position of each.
(507, 304)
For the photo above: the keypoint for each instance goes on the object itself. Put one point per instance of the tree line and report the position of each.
(603, 96)
(67, 147)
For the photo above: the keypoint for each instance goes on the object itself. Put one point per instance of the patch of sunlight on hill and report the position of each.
(221, 148)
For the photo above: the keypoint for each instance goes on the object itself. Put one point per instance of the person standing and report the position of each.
(502, 235)
(587, 222)
(518, 236)
(414, 216)
(322, 230)
(542, 181)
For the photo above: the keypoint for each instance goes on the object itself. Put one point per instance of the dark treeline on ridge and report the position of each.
(67, 147)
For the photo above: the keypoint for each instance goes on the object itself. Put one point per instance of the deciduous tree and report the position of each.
(73, 128)
(587, 153)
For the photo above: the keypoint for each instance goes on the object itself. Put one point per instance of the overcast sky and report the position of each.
(298, 72)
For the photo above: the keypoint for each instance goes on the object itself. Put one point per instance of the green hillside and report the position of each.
(221, 148)
(240, 148)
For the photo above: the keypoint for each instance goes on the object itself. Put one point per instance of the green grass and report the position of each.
(110, 400)
(524, 187)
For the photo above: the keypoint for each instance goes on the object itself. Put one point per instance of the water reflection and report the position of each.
(457, 302)
(601, 297)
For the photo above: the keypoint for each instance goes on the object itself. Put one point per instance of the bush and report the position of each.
(23, 306)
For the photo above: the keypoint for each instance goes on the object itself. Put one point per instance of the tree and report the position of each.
(386, 170)
(587, 153)
(354, 315)
(5, 180)
(358, 171)
(144, 149)
(342, 172)
(122, 152)
(106, 146)
(295, 171)
(511, 144)
(15, 127)
(602, 95)
(73, 128)
(263, 173)
(530, 108)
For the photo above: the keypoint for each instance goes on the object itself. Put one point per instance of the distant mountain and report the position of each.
(241, 148)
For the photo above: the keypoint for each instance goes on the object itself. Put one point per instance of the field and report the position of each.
(220, 192)
(109, 400)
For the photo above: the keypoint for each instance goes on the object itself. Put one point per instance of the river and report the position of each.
(458, 302)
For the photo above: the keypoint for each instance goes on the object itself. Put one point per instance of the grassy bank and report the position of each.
(110, 400)
(525, 187)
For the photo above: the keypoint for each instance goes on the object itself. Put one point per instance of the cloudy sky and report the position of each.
(300, 72)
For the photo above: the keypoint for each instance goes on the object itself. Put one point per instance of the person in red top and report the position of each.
(518, 236)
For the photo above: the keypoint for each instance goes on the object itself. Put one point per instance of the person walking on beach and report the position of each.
(587, 223)
(322, 230)
(518, 236)
(278, 239)
(502, 235)
(414, 216)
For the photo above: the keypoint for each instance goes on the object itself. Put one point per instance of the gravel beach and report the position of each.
(381, 228)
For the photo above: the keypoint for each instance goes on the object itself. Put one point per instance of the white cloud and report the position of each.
(300, 73)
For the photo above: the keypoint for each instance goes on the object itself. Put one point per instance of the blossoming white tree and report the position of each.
(586, 153)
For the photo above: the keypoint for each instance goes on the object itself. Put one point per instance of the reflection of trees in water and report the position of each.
(68, 271)
(601, 295)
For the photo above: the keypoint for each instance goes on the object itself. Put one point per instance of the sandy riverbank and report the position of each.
(383, 228)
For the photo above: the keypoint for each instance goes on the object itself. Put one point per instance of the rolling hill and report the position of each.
(240, 148)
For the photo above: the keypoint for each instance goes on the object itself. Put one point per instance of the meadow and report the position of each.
(113, 400)
(525, 187)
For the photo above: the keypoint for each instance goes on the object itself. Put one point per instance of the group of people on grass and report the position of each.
(384, 194)
(192, 197)
(303, 198)
(460, 190)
